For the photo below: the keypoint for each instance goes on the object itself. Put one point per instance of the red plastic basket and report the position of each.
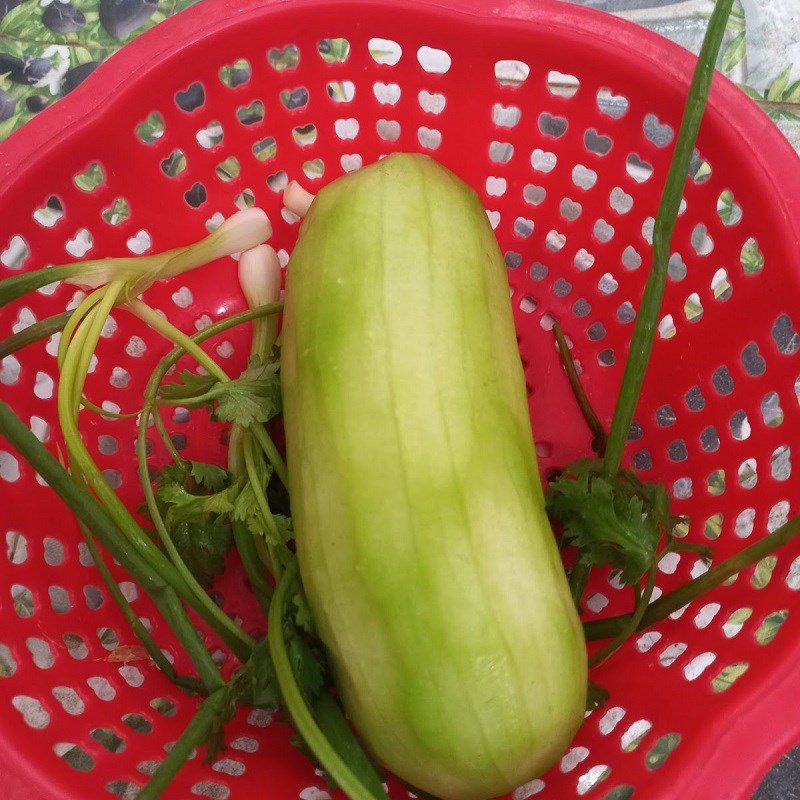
(562, 119)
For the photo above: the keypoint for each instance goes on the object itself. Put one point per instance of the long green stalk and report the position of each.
(96, 518)
(195, 733)
(34, 333)
(301, 715)
(647, 319)
(236, 639)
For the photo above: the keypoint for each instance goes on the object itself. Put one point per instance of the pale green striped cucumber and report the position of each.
(424, 547)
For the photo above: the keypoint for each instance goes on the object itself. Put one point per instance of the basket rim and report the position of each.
(776, 161)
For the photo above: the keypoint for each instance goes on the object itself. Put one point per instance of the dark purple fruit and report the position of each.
(36, 103)
(12, 66)
(191, 98)
(77, 75)
(121, 17)
(36, 68)
(24, 70)
(7, 105)
(63, 17)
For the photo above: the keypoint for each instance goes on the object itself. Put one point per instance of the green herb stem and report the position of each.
(242, 643)
(246, 546)
(647, 318)
(96, 518)
(144, 636)
(255, 476)
(642, 601)
(195, 733)
(78, 315)
(301, 715)
(189, 344)
(19, 285)
(669, 603)
(334, 726)
(34, 333)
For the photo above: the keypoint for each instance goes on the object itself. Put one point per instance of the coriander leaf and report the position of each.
(266, 693)
(209, 476)
(254, 397)
(246, 510)
(609, 524)
(183, 506)
(285, 527)
(187, 386)
(202, 546)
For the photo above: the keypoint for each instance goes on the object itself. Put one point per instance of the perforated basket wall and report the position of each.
(562, 119)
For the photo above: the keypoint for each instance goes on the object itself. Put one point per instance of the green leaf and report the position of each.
(619, 524)
(19, 21)
(792, 94)
(254, 397)
(183, 506)
(266, 693)
(734, 52)
(202, 546)
(209, 476)
(779, 85)
(187, 386)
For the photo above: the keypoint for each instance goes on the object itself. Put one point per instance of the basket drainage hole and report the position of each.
(511, 73)
(235, 74)
(433, 60)
(612, 105)
(284, 58)
(639, 169)
(196, 195)
(552, 126)
(333, 51)
(339, 91)
(91, 178)
(118, 212)
(656, 757)
(620, 200)
(387, 129)
(729, 211)
(151, 129)
(210, 136)
(597, 143)
(75, 756)
(32, 711)
(251, 114)
(658, 133)
(50, 213)
(191, 98)
(304, 135)
(562, 84)
(785, 336)
(384, 51)
(228, 170)
(728, 676)
(265, 149)
(388, 94)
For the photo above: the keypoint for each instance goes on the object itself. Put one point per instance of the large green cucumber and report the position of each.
(424, 547)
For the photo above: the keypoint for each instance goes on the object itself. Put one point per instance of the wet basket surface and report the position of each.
(563, 120)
